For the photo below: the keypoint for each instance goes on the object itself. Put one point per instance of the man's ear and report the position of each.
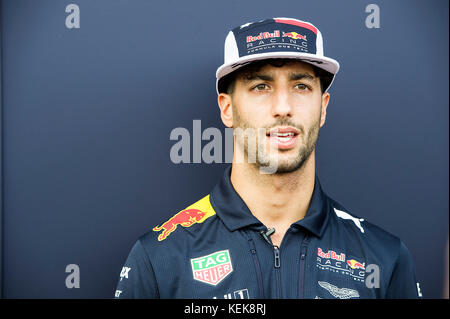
(226, 109)
(325, 100)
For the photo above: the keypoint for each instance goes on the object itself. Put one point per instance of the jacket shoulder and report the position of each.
(366, 230)
(382, 248)
(183, 222)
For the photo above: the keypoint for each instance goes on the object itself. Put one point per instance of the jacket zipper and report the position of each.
(257, 266)
(304, 249)
(277, 265)
(277, 258)
(258, 273)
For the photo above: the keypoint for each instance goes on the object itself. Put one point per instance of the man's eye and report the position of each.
(261, 87)
(302, 86)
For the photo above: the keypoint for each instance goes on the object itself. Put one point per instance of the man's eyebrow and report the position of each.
(266, 77)
(301, 76)
(257, 76)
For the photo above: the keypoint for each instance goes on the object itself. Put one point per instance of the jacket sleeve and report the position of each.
(137, 278)
(403, 283)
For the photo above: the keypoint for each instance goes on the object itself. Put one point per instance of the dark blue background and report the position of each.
(87, 115)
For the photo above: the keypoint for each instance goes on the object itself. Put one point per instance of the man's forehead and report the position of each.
(291, 68)
(291, 64)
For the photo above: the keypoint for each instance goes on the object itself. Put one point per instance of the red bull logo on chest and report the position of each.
(331, 254)
(355, 264)
(340, 263)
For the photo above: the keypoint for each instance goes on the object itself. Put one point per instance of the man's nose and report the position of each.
(282, 104)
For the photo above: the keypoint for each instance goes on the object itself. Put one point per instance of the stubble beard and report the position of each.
(263, 158)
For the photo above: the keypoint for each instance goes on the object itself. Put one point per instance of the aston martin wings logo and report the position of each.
(341, 293)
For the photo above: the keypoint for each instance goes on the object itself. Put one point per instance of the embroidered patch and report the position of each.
(341, 263)
(341, 293)
(212, 268)
(194, 214)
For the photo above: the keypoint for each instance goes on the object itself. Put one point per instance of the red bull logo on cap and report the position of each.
(263, 35)
(194, 214)
(294, 35)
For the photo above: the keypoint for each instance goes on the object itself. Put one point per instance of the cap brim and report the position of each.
(328, 64)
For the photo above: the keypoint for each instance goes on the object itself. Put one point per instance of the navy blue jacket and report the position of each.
(216, 248)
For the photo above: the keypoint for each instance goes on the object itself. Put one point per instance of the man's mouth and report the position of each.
(283, 137)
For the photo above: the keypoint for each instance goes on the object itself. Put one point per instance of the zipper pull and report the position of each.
(304, 248)
(276, 252)
(303, 255)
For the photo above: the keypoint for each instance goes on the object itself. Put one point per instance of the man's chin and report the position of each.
(288, 168)
(282, 166)
(285, 162)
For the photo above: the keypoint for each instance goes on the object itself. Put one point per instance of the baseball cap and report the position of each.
(275, 38)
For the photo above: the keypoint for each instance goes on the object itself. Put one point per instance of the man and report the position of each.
(264, 232)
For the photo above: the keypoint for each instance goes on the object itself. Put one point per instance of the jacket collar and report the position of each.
(235, 214)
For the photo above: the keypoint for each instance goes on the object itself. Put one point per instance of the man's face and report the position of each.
(287, 103)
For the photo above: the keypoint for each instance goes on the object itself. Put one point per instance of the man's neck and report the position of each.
(277, 200)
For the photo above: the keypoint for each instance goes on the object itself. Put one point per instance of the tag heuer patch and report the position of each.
(213, 268)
